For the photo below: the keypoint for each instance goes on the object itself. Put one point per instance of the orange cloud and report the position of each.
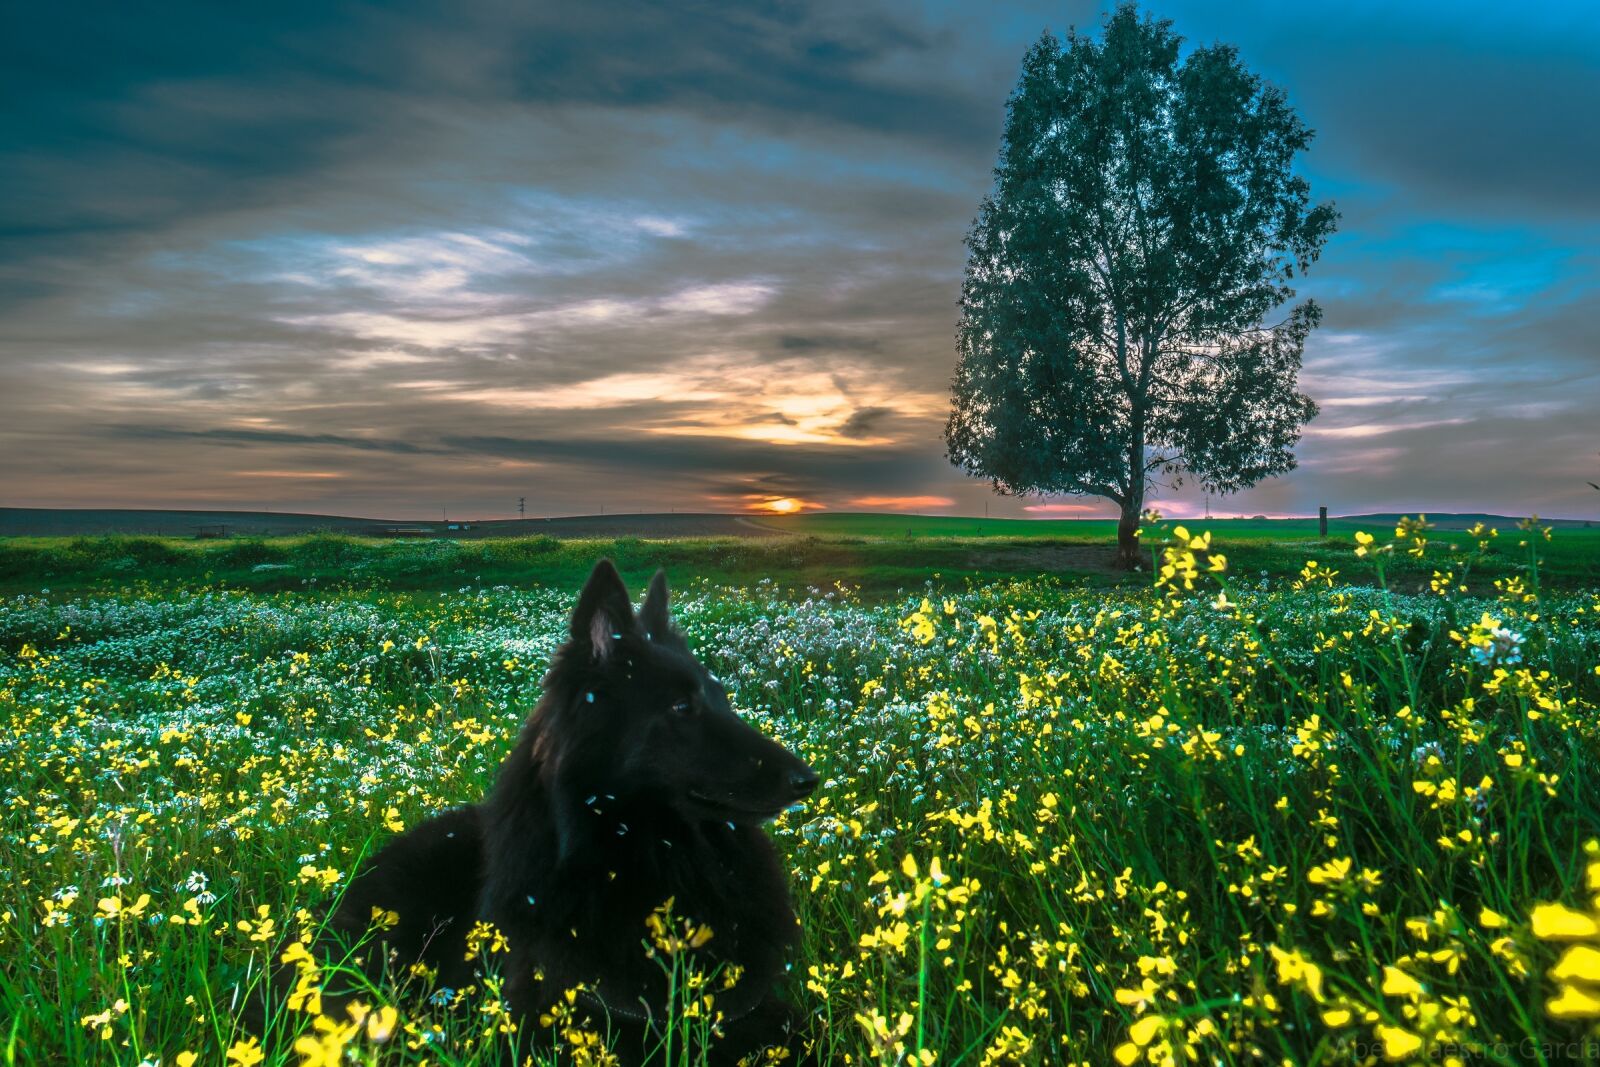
(289, 474)
(902, 503)
(1060, 509)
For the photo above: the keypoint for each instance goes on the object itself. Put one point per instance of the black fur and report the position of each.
(631, 783)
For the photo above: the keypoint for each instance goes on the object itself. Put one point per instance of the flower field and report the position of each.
(1285, 820)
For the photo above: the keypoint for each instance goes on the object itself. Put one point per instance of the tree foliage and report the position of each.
(1145, 221)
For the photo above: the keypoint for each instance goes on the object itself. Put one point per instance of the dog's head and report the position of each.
(634, 716)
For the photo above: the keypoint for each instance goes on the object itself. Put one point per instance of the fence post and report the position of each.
(1322, 519)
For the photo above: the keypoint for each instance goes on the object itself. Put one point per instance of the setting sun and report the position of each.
(785, 505)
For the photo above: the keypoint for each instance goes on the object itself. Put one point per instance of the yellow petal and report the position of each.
(1398, 1043)
(1581, 962)
(1145, 1030)
(1574, 1003)
(1557, 922)
(1397, 983)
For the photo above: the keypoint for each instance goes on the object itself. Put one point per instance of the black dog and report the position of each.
(632, 783)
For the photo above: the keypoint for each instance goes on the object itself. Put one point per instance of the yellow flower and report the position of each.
(1145, 1030)
(380, 1024)
(1574, 1003)
(1294, 967)
(1580, 963)
(1397, 983)
(1398, 1043)
(114, 908)
(246, 1053)
(1557, 922)
(1330, 873)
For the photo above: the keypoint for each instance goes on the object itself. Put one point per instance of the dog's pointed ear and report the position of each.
(657, 623)
(604, 612)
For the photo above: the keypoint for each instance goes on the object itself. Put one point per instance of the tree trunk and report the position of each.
(1129, 555)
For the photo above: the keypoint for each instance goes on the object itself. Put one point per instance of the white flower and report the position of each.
(1504, 647)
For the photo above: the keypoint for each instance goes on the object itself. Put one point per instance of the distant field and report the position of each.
(879, 554)
(86, 522)
(858, 524)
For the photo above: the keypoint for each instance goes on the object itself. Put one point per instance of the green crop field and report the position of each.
(1282, 816)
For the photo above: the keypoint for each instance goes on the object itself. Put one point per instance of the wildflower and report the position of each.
(246, 1053)
(1577, 972)
(114, 908)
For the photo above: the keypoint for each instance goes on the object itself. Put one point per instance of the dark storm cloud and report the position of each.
(150, 115)
(360, 256)
(790, 62)
(863, 421)
(791, 342)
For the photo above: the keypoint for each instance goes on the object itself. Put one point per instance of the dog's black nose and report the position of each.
(804, 783)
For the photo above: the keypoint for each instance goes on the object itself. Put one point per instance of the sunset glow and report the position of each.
(902, 503)
(1066, 510)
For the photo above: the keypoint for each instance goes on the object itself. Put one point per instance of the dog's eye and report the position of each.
(684, 706)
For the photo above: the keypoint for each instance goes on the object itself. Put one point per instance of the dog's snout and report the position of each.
(804, 783)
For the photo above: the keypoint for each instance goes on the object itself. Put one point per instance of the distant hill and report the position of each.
(1461, 522)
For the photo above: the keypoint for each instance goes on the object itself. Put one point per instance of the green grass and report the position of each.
(870, 552)
(1303, 830)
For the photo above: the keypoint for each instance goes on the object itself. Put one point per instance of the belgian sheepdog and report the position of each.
(632, 783)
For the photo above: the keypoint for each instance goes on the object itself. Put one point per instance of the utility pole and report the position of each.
(522, 507)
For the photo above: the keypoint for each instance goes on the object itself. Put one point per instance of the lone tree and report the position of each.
(1143, 224)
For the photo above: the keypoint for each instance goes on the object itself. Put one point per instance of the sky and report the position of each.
(386, 259)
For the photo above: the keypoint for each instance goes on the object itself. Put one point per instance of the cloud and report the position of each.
(244, 438)
(863, 420)
(630, 251)
(791, 342)
(902, 503)
(1063, 509)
